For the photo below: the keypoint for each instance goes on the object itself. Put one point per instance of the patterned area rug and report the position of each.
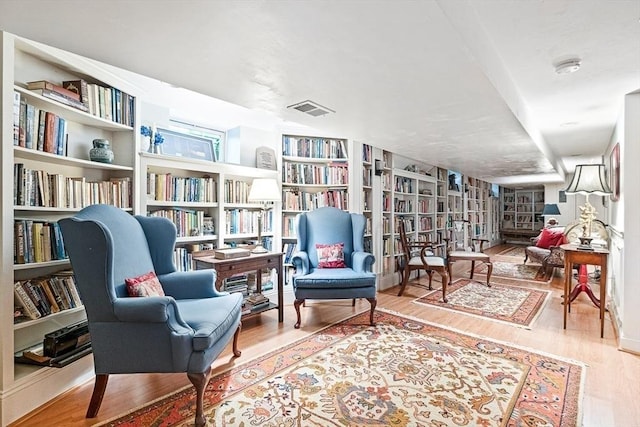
(516, 251)
(516, 271)
(404, 371)
(503, 303)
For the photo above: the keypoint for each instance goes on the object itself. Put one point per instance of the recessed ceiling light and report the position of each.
(567, 124)
(568, 66)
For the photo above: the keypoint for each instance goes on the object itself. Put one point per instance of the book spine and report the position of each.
(78, 87)
(23, 298)
(62, 99)
(16, 118)
(22, 122)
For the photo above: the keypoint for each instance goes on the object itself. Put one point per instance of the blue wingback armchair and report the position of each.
(330, 226)
(183, 331)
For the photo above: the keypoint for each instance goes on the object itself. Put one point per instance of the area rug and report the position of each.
(515, 251)
(509, 304)
(404, 371)
(516, 271)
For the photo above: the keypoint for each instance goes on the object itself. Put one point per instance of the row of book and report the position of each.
(34, 187)
(319, 148)
(295, 200)
(289, 249)
(241, 221)
(105, 102)
(236, 191)
(41, 296)
(38, 129)
(166, 187)
(188, 222)
(37, 241)
(299, 173)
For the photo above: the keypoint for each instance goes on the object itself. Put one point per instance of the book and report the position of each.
(23, 299)
(43, 84)
(62, 99)
(230, 253)
(16, 118)
(79, 87)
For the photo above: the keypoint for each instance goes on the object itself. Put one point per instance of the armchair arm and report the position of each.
(300, 261)
(150, 310)
(362, 262)
(190, 284)
(555, 257)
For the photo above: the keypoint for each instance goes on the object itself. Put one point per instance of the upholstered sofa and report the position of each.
(545, 247)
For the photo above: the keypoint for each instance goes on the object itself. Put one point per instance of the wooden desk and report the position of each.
(598, 256)
(226, 268)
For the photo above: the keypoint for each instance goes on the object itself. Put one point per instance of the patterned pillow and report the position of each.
(330, 256)
(146, 285)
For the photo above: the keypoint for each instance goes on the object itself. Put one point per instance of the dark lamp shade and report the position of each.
(551, 209)
(589, 179)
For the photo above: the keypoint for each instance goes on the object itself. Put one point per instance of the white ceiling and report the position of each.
(463, 84)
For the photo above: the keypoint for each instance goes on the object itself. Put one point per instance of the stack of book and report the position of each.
(41, 296)
(255, 302)
(237, 283)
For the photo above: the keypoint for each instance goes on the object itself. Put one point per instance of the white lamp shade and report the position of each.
(264, 190)
(589, 179)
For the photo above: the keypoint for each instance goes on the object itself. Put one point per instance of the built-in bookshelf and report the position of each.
(529, 205)
(508, 208)
(386, 177)
(46, 164)
(367, 195)
(315, 173)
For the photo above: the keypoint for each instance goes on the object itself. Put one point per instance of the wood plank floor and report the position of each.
(612, 382)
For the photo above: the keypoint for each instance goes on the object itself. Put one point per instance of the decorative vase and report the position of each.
(101, 152)
(157, 148)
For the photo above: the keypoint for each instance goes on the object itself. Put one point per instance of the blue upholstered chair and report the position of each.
(183, 331)
(331, 226)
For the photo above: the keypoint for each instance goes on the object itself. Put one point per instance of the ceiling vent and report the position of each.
(569, 66)
(311, 108)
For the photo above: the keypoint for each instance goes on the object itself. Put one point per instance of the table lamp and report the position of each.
(548, 210)
(588, 179)
(263, 191)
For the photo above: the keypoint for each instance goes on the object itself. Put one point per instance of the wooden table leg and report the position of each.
(603, 294)
(567, 286)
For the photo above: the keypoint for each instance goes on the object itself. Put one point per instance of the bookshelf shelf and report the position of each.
(48, 318)
(70, 113)
(33, 265)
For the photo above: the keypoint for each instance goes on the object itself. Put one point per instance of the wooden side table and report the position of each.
(597, 256)
(226, 268)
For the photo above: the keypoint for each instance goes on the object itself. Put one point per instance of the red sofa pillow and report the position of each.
(549, 237)
(330, 256)
(146, 285)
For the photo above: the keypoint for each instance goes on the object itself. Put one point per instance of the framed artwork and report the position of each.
(615, 172)
(562, 196)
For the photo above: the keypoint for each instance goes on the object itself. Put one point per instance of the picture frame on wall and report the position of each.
(614, 161)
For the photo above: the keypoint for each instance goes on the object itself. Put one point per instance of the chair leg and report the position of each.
(473, 267)
(489, 270)
(430, 274)
(296, 305)
(236, 352)
(199, 381)
(445, 283)
(373, 302)
(353, 302)
(99, 386)
(405, 280)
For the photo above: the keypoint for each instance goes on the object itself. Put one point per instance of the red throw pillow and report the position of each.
(550, 237)
(146, 285)
(330, 256)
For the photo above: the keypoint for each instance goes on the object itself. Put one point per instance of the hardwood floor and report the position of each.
(611, 388)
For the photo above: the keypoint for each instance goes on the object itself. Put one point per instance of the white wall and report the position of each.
(626, 211)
